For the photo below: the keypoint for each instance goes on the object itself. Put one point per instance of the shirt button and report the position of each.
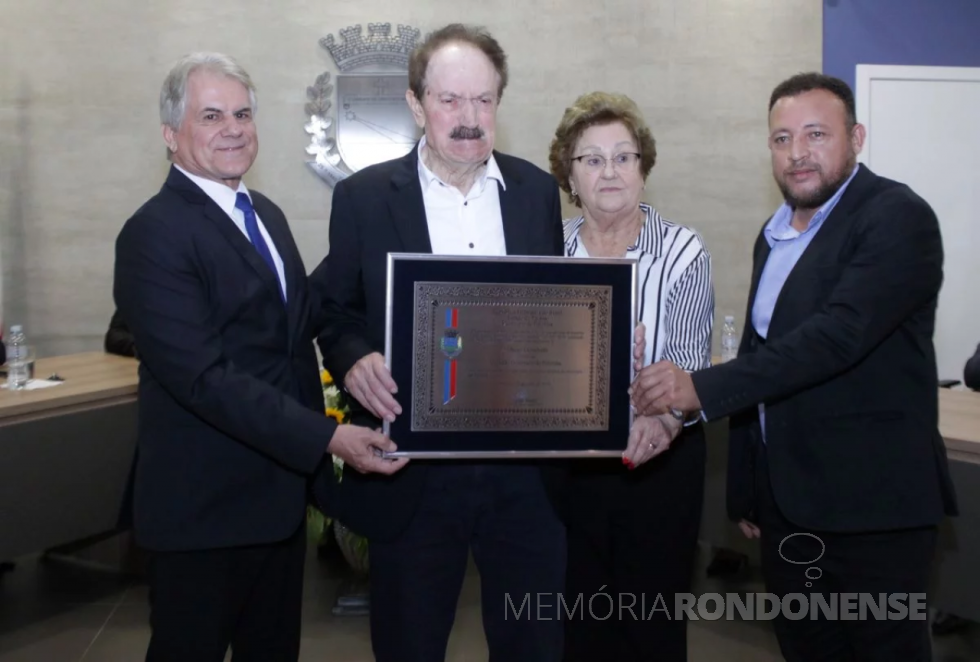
(471, 244)
(465, 204)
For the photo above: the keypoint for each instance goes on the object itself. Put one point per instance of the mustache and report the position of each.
(466, 133)
(802, 167)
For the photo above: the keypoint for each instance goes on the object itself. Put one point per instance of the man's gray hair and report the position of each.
(173, 94)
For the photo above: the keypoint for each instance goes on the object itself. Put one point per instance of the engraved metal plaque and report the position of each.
(510, 357)
(491, 356)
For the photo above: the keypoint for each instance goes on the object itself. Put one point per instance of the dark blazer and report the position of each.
(231, 420)
(971, 372)
(377, 211)
(847, 373)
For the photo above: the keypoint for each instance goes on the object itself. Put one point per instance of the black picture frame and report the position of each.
(407, 269)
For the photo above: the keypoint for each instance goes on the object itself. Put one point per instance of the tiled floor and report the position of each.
(51, 611)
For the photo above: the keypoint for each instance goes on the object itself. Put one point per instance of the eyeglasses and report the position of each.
(597, 163)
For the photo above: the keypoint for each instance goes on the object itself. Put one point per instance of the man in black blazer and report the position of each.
(452, 194)
(836, 457)
(231, 420)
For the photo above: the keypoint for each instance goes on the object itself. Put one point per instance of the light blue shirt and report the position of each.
(786, 245)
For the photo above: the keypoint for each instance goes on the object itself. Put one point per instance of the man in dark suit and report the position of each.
(836, 458)
(453, 194)
(231, 421)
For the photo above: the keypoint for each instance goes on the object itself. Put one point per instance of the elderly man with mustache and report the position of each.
(451, 195)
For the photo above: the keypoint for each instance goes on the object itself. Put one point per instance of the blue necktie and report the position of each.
(252, 228)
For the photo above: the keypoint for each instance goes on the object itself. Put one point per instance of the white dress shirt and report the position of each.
(225, 198)
(460, 224)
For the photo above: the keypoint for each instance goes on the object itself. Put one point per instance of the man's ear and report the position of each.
(416, 107)
(858, 135)
(170, 137)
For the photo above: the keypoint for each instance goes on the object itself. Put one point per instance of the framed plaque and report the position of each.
(498, 357)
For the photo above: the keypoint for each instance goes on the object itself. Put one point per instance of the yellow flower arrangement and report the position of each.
(337, 409)
(354, 547)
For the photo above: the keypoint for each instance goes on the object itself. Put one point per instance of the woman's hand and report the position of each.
(639, 346)
(649, 437)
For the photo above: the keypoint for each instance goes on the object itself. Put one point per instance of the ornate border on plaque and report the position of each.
(428, 331)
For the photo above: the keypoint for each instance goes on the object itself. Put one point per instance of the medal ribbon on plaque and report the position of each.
(451, 345)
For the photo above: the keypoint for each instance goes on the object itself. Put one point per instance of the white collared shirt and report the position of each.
(460, 224)
(225, 198)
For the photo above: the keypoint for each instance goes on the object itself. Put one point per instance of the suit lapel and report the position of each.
(221, 221)
(759, 256)
(511, 199)
(836, 223)
(826, 239)
(759, 263)
(407, 206)
(279, 233)
(515, 226)
(241, 244)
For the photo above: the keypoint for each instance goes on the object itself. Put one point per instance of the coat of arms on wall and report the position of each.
(372, 122)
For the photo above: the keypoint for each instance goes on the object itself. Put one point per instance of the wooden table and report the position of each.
(93, 378)
(66, 453)
(959, 423)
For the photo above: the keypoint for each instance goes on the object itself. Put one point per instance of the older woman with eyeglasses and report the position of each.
(633, 525)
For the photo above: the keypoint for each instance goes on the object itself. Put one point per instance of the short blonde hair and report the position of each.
(598, 109)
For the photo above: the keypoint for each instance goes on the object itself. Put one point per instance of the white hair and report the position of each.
(173, 94)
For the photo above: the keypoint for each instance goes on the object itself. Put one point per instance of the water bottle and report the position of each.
(19, 359)
(729, 340)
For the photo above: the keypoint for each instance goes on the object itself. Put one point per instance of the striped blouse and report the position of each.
(676, 297)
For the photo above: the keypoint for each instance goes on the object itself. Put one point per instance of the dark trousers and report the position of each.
(874, 563)
(249, 598)
(632, 535)
(501, 513)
